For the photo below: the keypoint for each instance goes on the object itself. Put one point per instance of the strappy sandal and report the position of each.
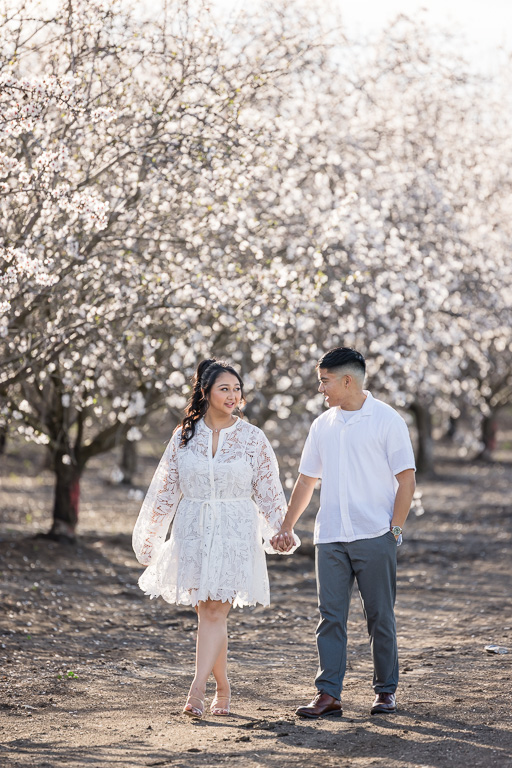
(218, 709)
(192, 711)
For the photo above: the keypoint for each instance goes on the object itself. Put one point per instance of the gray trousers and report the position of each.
(372, 562)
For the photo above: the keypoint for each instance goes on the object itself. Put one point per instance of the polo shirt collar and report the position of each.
(365, 410)
(367, 407)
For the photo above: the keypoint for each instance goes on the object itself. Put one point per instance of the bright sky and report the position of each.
(483, 20)
(487, 24)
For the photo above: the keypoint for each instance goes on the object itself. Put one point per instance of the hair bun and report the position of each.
(201, 368)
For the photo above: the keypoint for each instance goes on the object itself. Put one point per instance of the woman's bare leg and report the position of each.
(222, 699)
(220, 668)
(211, 648)
(220, 671)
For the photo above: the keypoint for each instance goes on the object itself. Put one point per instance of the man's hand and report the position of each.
(283, 541)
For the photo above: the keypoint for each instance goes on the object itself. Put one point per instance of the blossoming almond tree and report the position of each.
(131, 239)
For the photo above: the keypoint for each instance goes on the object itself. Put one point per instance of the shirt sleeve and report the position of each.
(311, 460)
(268, 493)
(159, 506)
(399, 449)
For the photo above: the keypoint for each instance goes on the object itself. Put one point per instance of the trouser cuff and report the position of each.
(329, 691)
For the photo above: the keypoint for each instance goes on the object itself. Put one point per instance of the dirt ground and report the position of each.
(94, 674)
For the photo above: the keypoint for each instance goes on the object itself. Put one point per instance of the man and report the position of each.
(361, 450)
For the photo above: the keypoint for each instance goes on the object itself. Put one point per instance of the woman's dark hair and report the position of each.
(205, 377)
(341, 356)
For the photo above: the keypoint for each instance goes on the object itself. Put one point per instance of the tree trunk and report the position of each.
(488, 437)
(452, 428)
(3, 440)
(65, 505)
(128, 464)
(425, 447)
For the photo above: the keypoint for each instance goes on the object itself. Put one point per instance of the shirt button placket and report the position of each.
(347, 533)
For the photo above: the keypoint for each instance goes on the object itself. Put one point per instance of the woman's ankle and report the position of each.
(222, 687)
(197, 690)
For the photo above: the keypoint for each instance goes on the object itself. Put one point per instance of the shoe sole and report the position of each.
(335, 713)
(383, 711)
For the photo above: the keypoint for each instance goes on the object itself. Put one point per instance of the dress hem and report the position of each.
(234, 603)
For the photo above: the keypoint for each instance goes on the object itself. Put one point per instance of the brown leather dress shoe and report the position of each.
(384, 704)
(322, 705)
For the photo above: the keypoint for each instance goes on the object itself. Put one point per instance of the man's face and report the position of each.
(332, 386)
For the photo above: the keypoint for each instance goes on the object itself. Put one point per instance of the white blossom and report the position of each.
(134, 434)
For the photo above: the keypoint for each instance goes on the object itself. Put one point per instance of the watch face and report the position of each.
(396, 530)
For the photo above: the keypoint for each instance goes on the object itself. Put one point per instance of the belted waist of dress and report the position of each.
(208, 505)
(214, 501)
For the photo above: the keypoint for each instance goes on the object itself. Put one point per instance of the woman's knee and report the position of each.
(213, 610)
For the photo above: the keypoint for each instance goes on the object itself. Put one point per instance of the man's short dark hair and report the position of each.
(340, 357)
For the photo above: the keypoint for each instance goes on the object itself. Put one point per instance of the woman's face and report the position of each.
(225, 394)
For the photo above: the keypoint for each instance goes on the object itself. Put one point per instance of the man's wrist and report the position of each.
(396, 530)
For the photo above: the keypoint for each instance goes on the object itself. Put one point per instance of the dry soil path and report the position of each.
(94, 675)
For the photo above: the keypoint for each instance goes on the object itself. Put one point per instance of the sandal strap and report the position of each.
(196, 698)
(189, 707)
(216, 707)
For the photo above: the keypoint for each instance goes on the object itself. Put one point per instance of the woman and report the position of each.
(214, 559)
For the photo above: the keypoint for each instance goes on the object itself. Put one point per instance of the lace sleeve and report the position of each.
(268, 493)
(158, 507)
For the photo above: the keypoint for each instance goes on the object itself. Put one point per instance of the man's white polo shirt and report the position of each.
(357, 461)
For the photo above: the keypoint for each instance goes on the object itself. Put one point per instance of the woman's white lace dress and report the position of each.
(223, 509)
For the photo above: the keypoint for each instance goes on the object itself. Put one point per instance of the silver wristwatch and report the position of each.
(397, 533)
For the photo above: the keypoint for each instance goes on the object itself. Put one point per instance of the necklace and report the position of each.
(214, 429)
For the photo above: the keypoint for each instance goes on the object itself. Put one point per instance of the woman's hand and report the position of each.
(284, 540)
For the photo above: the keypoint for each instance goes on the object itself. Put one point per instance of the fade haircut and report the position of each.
(344, 360)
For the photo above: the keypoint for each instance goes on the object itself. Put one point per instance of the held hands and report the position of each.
(284, 540)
